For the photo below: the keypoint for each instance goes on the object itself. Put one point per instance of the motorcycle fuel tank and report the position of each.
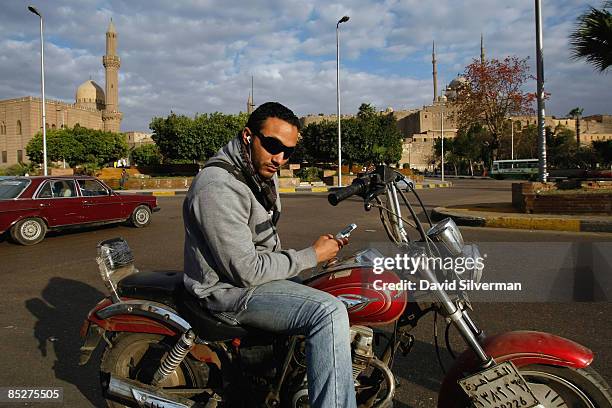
(368, 301)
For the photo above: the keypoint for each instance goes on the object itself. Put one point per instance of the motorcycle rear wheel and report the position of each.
(138, 355)
(567, 387)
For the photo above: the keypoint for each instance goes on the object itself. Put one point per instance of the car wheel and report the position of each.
(141, 216)
(29, 231)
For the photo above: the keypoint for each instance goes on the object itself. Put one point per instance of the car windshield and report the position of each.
(11, 188)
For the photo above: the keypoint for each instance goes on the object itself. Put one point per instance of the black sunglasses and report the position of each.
(274, 146)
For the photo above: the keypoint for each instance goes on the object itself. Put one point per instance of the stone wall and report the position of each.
(532, 198)
(134, 183)
(27, 111)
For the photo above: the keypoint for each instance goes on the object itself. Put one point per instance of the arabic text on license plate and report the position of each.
(500, 386)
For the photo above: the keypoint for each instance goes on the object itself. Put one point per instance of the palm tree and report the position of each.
(576, 113)
(592, 38)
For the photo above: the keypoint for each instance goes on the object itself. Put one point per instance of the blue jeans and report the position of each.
(290, 308)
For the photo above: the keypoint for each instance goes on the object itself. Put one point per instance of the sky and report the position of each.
(198, 56)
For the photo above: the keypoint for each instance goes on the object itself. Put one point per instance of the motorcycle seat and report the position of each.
(167, 287)
(206, 325)
(160, 286)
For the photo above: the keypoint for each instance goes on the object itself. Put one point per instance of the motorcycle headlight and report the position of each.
(115, 262)
(471, 251)
(447, 233)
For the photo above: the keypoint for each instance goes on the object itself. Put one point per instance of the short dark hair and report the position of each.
(271, 110)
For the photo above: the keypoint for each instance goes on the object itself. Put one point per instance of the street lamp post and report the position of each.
(42, 87)
(442, 136)
(342, 20)
(543, 175)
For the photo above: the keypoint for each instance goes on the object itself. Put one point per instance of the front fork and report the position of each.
(459, 317)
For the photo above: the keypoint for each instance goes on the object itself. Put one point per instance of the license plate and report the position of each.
(500, 386)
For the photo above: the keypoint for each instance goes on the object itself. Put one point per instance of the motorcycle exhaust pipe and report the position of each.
(389, 379)
(142, 395)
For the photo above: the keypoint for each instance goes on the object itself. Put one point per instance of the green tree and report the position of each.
(469, 146)
(61, 145)
(353, 143)
(576, 113)
(319, 142)
(449, 156)
(561, 147)
(146, 155)
(586, 157)
(100, 147)
(492, 92)
(369, 137)
(79, 145)
(376, 138)
(604, 151)
(390, 140)
(181, 138)
(175, 137)
(592, 38)
(214, 130)
(527, 143)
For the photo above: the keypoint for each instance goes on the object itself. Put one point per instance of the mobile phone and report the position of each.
(345, 233)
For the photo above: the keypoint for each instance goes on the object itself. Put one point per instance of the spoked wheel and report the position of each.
(137, 356)
(141, 216)
(29, 231)
(561, 387)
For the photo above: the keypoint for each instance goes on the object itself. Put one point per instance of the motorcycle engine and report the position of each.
(361, 352)
(361, 347)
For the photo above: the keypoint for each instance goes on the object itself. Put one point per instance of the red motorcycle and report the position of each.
(163, 349)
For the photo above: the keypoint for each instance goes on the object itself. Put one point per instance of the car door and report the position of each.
(99, 203)
(60, 203)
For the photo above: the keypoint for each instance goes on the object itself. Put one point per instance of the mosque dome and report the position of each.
(457, 83)
(90, 95)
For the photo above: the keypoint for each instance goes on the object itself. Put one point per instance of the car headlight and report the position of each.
(115, 262)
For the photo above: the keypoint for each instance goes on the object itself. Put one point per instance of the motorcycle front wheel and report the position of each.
(138, 355)
(567, 387)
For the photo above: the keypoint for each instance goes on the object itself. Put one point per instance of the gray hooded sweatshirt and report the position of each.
(231, 244)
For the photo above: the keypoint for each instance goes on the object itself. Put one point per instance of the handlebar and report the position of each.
(359, 187)
(373, 181)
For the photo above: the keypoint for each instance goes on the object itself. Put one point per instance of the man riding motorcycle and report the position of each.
(234, 261)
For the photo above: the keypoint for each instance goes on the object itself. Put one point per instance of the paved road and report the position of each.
(47, 289)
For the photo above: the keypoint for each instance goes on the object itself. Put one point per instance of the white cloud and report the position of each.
(199, 56)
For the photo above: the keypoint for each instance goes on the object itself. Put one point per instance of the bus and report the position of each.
(519, 168)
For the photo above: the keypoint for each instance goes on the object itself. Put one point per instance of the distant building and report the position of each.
(421, 127)
(137, 139)
(20, 118)
(595, 128)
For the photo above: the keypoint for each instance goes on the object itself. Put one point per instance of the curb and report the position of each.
(465, 177)
(284, 190)
(420, 186)
(155, 193)
(551, 223)
(303, 190)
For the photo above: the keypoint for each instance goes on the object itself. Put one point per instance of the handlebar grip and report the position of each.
(357, 187)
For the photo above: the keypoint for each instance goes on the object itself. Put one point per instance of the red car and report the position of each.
(30, 206)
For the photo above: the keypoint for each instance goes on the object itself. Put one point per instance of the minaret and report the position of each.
(482, 53)
(111, 115)
(435, 72)
(250, 104)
